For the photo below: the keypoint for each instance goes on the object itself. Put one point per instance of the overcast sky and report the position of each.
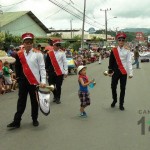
(129, 13)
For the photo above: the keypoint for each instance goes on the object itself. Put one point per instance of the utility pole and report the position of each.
(82, 39)
(71, 27)
(105, 20)
(116, 30)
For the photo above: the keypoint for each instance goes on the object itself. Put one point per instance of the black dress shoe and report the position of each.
(121, 108)
(58, 102)
(54, 100)
(113, 104)
(13, 125)
(35, 123)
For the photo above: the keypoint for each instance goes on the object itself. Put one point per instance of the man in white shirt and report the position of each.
(30, 72)
(57, 69)
(120, 65)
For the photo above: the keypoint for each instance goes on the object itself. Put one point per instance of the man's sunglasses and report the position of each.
(121, 40)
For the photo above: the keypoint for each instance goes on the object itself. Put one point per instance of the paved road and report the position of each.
(104, 129)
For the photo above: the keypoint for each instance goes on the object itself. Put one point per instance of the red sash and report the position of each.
(118, 60)
(26, 69)
(54, 62)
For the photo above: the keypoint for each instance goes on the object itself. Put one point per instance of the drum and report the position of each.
(44, 95)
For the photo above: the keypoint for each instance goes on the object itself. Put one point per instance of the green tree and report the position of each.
(130, 36)
(56, 35)
(77, 37)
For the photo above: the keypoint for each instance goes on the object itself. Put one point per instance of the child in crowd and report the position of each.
(7, 76)
(79, 61)
(2, 87)
(13, 78)
(84, 95)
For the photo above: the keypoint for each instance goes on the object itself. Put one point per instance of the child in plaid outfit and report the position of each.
(83, 93)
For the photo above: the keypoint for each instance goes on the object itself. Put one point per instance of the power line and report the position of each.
(13, 4)
(40, 20)
(53, 13)
(62, 8)
(82, 14)
(71, 12)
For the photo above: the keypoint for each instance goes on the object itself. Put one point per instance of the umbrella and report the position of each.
(4, 57)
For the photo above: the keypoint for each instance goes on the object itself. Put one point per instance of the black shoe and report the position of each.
(54, 100)
(58, 102)
(121, 108)
(35, 123)
(13, 125)
(113, 104)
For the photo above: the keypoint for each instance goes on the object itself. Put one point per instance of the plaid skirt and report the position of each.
(84, 98)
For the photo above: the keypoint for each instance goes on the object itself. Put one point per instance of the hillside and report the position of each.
(144, 30)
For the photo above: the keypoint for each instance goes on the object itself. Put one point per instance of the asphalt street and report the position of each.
(105, 128)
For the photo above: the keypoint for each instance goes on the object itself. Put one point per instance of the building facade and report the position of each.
(17, 23)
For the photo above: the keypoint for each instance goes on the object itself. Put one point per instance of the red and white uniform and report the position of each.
(126, 60)
(34, 66)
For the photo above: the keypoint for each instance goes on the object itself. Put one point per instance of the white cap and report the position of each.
(80, 68)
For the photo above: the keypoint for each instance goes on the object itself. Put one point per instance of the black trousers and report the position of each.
(57, 82)
(24, 89)
(114, 82)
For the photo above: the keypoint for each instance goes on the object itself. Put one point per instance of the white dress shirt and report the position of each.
(126, 59)
(36, 63)
(62, 61)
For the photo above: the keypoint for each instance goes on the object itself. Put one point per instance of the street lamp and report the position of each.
(106, 21)
(116, 29)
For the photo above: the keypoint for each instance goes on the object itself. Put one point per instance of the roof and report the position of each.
(64, 30)
(9, 17)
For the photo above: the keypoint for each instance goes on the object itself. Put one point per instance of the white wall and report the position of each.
(22, 25)
(67, 35)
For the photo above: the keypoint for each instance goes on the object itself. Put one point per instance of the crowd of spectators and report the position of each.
(8, 81)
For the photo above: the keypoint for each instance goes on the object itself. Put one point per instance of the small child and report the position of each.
(84, 94)
(13, 78)
(79, 61)
(7, 76)
(2, 87)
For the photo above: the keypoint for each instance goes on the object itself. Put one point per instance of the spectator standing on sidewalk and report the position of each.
(136, 57)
